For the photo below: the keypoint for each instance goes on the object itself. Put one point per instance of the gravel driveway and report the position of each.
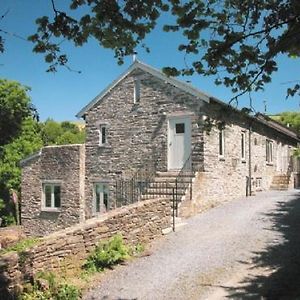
(236, 250)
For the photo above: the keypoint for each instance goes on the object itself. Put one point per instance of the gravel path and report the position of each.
(214, 248)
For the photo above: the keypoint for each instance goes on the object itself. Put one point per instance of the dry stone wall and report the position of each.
(67, 249)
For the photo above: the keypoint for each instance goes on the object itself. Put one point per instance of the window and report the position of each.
(269, 151)
(51, 196)
(221, 143)
(137, 91)
(243, 146)
(101, 192)
(179, 128)
(102, 135)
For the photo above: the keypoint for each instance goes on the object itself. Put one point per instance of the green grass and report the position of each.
(21, 246)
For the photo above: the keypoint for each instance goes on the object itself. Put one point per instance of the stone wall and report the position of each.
(135, 132)
(63, 164)
(138, 223)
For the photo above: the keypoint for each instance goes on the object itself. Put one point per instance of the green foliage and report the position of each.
(107, 254)
(19, 137)
(8, 219)
(21, 246)
(55, 133)
(15, 106)
(237, 42)
(136, 249)
(55, 289)
(297, 152)
(292, 119)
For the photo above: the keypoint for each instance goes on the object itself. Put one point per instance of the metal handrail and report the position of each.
(186, 171)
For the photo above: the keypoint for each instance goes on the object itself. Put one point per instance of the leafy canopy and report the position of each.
(291, 119)
(239, 39)
(15, 106)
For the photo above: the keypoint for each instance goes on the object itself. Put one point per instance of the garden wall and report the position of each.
(67, 249)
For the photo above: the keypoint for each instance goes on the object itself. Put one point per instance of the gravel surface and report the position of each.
(213, 248)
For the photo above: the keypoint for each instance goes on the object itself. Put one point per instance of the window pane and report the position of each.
(105, 199)
(48, 195)
(221, 150)
(180, 128)
(136, 91)
(97, 198)
(103, 135)
(56, 196)
(243, 146)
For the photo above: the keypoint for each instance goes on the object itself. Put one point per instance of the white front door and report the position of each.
(179, 142)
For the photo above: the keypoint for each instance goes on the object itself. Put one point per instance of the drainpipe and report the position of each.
(250, 175)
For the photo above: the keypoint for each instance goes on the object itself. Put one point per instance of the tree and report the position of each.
(241, 38)
(26, 143)
(291, 119)
(15, 106)
(55, 133)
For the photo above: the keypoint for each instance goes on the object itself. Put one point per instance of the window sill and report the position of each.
(243, 161)
(269, 164)
(104, 146)
(51, 209)
(221, 158)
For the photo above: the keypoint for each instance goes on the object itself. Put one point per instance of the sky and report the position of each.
(61, 95)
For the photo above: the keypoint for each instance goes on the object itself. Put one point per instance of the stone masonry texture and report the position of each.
(63, 164)
(137, 223)
(225, 178)
(135, 132)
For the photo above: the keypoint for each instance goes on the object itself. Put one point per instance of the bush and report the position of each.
(107, 254)
(50, 289)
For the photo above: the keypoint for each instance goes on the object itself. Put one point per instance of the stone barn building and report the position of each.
(150, 135)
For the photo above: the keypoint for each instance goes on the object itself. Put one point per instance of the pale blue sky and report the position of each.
(60, 96)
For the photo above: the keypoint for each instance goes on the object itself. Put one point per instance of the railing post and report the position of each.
(173, 209)
(176, 195)
(191, 183)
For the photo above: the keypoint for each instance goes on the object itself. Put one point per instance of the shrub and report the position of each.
(107, 254)
(51, 289)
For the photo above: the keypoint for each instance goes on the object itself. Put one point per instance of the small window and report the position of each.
(269, 151)
(221, 143)
(243, 146)
(180, 128)
(101, 197)
(51, 195)
(137, 91)
(102, 135)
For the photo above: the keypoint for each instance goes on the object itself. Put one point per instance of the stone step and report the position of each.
(158, 192)
(279, 187)
(172, 179)
(175, 174)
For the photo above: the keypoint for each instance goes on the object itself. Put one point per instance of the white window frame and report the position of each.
(269, 151)
(243, 146)
(103, 190)
(137, 91)
(52, 185)
(101, 127)
(221, 143)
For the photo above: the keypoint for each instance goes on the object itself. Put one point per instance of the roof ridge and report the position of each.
(188, 88)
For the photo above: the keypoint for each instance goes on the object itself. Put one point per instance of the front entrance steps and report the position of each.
(280, 182)
(164, 185)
